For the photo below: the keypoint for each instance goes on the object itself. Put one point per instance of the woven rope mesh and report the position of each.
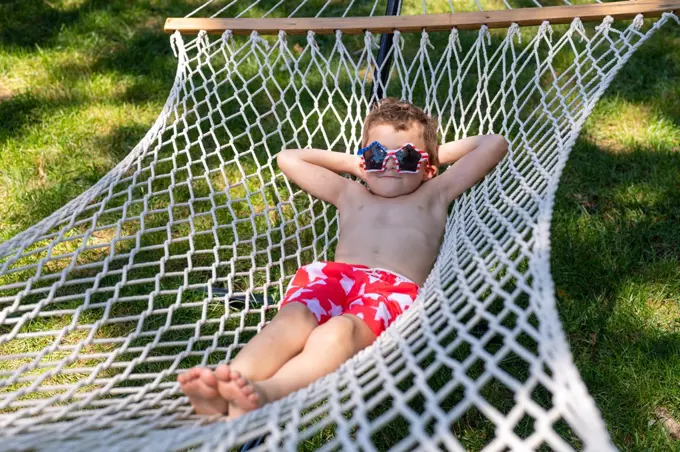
(181, 253)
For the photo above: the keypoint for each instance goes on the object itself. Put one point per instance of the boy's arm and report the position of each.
(472, 158)
(316, 171)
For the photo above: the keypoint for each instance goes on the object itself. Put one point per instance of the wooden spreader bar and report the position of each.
(429, 22)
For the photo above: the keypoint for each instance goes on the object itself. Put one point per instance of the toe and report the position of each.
(189, 387)
(205, 391)
(208, 378)
(204, 399)
(223, 373)
(194, 372)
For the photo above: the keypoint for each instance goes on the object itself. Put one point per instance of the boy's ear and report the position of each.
(361, 173)
(430, 172)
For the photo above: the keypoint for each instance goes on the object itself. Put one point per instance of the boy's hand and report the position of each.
(472, 158)
(316, 171)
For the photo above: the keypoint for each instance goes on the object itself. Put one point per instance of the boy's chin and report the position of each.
(391, 192)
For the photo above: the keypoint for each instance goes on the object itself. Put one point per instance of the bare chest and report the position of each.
(401, 234)
(390, 219)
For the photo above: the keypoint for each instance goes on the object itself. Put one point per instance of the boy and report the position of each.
(390, 233)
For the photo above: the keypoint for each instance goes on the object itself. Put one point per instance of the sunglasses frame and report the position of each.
(392, 153)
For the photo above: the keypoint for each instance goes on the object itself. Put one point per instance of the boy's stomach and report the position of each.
(409, 255)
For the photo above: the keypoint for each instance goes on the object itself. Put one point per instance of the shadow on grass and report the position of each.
(658, 88)
(143, 53)
(119, 141)
(629, 378)
(148, 56)
(616, 244)
(42, 21)
(25, 110)
(28, 25)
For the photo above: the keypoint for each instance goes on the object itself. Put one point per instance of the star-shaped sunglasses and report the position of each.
(408, 157)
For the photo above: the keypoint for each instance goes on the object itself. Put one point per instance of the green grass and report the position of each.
(82, 81)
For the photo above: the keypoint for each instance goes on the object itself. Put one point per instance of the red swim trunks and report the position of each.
(330, 289)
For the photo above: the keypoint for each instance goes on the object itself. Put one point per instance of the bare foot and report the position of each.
(200, 385)
(225, 376)
(243, 395)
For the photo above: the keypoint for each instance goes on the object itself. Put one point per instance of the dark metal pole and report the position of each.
(382, 72)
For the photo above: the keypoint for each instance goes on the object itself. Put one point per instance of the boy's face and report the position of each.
(390, 183)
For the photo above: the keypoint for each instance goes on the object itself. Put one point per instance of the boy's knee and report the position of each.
(336, 331)
(297, 313)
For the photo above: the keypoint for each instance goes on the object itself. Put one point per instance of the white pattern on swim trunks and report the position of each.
(381, 313)
(335, 309)
(299, 292)
(347, 283)
(314, 306)
(315, 271)
(358, 302)
(405, 301)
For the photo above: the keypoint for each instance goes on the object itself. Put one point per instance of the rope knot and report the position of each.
(368, 39)
(485, 33)
(177, 44)
(311, 39)
(397, 44)
(577, 27)
(425, 40)
(454, 39)
(513, 32)
(202, 40)
(545, 30)
(256, 39)
(605, 26)
(283, 41)
(666, 16)
(638, 21)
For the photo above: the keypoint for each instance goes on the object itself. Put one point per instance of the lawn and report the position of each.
(81, 81)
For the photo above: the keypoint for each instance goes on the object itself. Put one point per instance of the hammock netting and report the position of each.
(181, 253)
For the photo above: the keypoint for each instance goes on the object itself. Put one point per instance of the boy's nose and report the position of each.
(390, 163)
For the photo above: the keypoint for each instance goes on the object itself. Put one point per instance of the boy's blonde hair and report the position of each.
(402, 115)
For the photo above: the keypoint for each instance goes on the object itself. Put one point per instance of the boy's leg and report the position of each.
(262, 356)
(327, 347)
(276, 344)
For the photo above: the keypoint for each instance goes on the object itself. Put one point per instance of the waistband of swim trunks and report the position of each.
(380, 269)
(393, 273)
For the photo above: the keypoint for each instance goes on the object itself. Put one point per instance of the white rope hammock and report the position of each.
(180, 254)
